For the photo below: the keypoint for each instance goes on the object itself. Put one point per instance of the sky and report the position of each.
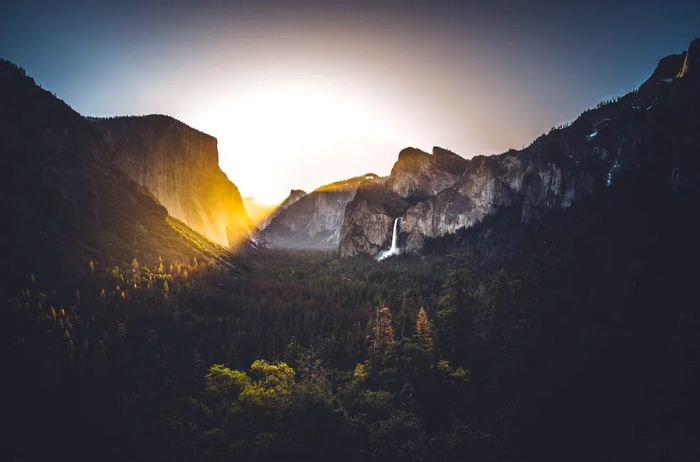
(303, 93)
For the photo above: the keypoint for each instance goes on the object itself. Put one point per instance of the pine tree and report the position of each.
(455, 315)
(424, 336)
(382, 333)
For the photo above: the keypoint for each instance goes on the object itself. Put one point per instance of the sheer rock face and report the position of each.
(313, 221)
(294, 196)
(179, 166)
(637, 135)
(67, 202)
(442, 207)
(418, 173)
(369, 218)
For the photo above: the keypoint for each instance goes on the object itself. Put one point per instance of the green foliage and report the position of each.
(381, 336)
(400, 437)
(357, 382)
(456, 310)
(226, 384)
(424, 336)
(271, 386)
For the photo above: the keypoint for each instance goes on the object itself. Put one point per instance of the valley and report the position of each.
(532, 305)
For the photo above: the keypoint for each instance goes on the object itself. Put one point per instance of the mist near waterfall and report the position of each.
(394, 249)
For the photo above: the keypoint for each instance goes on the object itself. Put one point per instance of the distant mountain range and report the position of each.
(651, 132)
(77, 188)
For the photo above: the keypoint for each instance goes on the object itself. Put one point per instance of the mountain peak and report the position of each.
(668, 68)
(411, 152)
(449, 161)
(691, 66)
(438, 151)
(347, 184)
(683, 65)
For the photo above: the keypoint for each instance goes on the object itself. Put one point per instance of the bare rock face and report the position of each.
(179, 166)
(487, 184)
(415, 177)
(436, 195)
(418, 173)
(691, 63)
(294, 196)
(313, 221)
(369, 218)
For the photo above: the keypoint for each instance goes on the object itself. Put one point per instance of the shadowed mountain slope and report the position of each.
(64, 202)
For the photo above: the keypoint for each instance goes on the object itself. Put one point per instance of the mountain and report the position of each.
(294, 196)
(562, 318)
(64, 202)
(313, 220)
(419, 174)
(180, 167)
(651, 132)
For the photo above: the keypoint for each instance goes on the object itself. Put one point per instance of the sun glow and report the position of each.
(271, 131)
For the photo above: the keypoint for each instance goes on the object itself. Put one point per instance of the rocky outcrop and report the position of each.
(419, 174)
(179, 166)
(633, 136)
(691, 63)
(430, 206)
(294, 196)
(415, 177)
(314, 220)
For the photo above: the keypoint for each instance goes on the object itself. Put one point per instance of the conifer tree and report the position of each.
(382, 333)
(424, 336)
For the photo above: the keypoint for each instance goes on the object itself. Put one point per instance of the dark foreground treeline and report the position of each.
(574, 339)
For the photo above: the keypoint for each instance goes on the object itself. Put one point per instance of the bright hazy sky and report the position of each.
(303, 93)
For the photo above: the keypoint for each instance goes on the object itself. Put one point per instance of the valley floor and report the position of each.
(545, 342)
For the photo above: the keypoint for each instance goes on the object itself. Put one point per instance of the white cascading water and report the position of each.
(394, 249)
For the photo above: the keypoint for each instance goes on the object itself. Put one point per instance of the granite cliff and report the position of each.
(294, 196)
(633, 137)
(179, 166)
(66, 202)
(312, 221)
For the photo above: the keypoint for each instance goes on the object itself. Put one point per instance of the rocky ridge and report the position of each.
(619, 140)
(294, 196)
(313, 220)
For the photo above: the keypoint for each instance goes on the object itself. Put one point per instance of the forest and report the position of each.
(541, 341)
(469, 302)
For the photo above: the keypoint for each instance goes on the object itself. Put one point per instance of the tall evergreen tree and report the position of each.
(455, 315)
(424, 335)
(382, 333)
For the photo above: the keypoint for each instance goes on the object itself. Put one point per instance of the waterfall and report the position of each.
(394, 249)
(395, 237)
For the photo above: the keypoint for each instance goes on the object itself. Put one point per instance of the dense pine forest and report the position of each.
(545, 341)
